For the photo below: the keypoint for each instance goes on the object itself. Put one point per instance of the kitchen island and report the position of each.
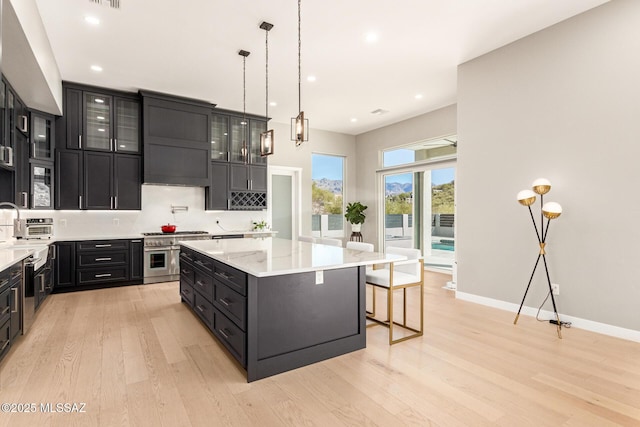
(278, 304)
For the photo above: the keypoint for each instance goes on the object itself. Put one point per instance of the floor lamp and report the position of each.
(549, 210)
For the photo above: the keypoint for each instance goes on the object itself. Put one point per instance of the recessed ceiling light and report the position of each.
(311, 78)
(273, 104)
(96, 68)
(418, 96)
(371, 37)
(353, 120)
(92, 20)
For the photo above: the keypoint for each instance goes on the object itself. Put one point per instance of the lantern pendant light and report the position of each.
(267, 137)
(299, 125)
(244, 151)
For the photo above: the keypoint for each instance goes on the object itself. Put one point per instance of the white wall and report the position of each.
(563, 104)
(435, 124)
(322, 142)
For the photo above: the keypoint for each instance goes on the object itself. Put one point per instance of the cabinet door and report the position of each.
(73, 118)
(239, 136)
(41, 185)
(11, 117)
(127, 181)
(21, 117)
(238, 177)
(98, 181)
(21, 156)
(3, 109)
(127, 126)
(41, 136)
(137, 259)
(219, 137)
(69, 180)
(258, 181)
(65, 264)
(97, 122)
(257, 127)
(217, 193)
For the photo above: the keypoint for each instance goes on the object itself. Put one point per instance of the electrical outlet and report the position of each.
(555, 288)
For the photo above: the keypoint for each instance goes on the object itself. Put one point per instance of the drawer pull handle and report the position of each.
(199, 283)
(200, 308)
(223, 334)
(6, 310)
(103, 246)
(185, 271)
(224, 301)
(15, 299)
(6, 343)
(224, 275)
(103, 259)
(102, 275)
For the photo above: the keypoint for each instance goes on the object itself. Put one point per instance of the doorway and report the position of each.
(284, 200)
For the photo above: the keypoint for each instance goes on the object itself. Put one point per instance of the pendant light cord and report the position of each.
(299, 67)
(244, 108)
(266, 89)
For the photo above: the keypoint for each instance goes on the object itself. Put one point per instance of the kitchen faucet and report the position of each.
(17, 223)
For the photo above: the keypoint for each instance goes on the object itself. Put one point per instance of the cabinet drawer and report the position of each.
(203, 263)
(203, 284)
(5, 337)
(235, 279)
(102, 275)
(95, 258)
(5, 305)
(187, 273)
(203, 309)
(231, 336)
(230, 303)
(97, 245)
(187, 293)
(15, 273)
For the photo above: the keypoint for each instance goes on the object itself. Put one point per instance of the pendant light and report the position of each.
(266, 138)
(243, 151)
(299, 125)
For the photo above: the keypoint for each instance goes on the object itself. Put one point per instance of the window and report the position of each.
(327, 195)
(422, 151)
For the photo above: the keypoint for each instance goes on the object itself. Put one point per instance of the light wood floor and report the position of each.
(137, 357)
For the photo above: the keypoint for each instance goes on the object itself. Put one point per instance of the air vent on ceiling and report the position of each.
(379, 111)
(113, 3)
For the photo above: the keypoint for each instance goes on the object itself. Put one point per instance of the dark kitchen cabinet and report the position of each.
(177, 141)
(69, 182)
(245, 140)
(65, 264)
(100, 120)
(217, 193)
(219, 137)
(98, 181)
(42, 136)
(137, 259)
(243, 177)
(42, 184)
(21, 165)
(127, 181)
(16, 283)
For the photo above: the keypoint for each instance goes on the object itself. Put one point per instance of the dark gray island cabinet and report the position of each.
(276, 304)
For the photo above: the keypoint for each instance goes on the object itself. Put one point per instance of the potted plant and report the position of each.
(355, 215)
(260, 225)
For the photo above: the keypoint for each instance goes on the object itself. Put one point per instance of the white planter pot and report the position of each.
(356, 228)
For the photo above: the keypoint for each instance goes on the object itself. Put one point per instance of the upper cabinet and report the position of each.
(245, 140)
(42, 136)
(100, 120)
(219, 137)
(177, 140)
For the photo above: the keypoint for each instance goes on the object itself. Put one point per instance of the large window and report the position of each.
(327, 195)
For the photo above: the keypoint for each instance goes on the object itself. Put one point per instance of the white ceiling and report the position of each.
(190, 48)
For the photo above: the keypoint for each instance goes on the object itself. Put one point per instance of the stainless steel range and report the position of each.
(162, 253)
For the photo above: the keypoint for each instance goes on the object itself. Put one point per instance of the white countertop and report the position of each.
(13, 251)
(269, 256)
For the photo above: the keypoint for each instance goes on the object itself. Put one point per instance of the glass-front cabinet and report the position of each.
(41, 185)
(41, 136)
(127, 126)
(239, 137)
(253, 129)
(219, 137)
(97, 123)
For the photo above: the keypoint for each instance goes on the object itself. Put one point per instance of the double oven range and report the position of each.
(162, 254)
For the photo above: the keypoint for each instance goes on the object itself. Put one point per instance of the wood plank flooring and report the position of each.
(136, 356)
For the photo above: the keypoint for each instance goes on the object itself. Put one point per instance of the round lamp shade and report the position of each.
(526, 197)
(551, 210)
(541, 186)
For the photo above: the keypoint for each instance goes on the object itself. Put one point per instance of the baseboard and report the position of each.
(576, 322)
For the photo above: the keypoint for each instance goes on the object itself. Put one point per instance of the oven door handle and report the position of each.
(158, 249)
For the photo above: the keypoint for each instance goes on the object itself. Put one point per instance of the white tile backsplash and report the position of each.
(156, 211)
